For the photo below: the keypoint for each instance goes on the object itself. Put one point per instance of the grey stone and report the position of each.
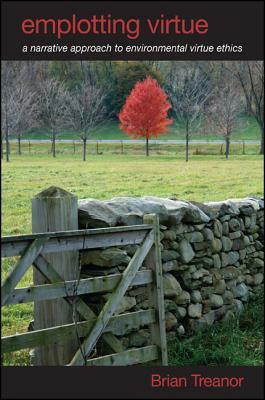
(168, 255)
(170, 266)
(130, 249)
(217, 228)
(224, 207)
(258, 278)
(235, 235)
(208, 280)
(242, 254)
(181, 330)
(186, 251)
(181, 312)
(192, 268)
(199, 227)
(138, 207)
(170, 305)
(234, 224)
(209, 317)
(225, 228)
(229, 272)
(240, 290)
(225, 218)
(105, 258)
(96, 214)
(183, 267)
(227, 243)
(183, 298)
(228, 297)
(206, 291)
(195, 310)
(174, 245)
(215, 300)
(140, 338)
(194, 237)
(201, 245)
(240, 243)
(172, 287)
(170, 235)
(231, 284)
(208, 234)
(220, 312)
(233, 257)
(207, 262)
(216, 261)
(238, 306)
(224, 259)
(258, 245)
(197, 274)
(249, 280)
(216, 245)
(219, 287)
(196, 296)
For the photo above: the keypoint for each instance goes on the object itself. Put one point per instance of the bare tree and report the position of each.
(52, 107)
(250, 75)
(24, 109)
(224, 112)
(18, 103)
(189, 90)
(7, 85)
(85, 111)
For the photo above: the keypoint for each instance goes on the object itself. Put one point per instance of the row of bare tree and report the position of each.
(205, 96)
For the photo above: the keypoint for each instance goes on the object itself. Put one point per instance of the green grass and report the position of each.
(164, 173)
(248, 130)
(206, 177)
(236, 342)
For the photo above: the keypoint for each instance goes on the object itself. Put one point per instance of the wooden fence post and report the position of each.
(156, 292)
(55, 209)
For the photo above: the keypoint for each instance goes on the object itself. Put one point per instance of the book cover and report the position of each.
(132, 146)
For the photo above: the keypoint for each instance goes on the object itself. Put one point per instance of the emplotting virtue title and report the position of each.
(107, 25)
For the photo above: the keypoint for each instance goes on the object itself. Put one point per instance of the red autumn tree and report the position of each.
(145, 111)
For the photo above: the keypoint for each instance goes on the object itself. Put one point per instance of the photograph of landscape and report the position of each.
(168, 135)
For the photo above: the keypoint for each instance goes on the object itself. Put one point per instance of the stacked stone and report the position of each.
(212, 258)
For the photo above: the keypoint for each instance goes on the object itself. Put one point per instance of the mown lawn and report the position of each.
(206, 177)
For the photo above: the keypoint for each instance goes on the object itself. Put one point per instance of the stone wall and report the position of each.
(212, 256)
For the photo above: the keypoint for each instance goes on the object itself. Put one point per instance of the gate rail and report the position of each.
(32, 249)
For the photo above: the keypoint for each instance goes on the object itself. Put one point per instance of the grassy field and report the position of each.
(247, 130)
(206, 177)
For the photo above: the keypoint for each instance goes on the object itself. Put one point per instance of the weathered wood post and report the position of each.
(55, 209)
(155, 291)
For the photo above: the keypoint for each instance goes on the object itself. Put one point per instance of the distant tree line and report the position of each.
(81, 95)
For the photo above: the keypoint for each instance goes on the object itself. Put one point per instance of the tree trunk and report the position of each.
(2, 153)
(19, 144)
(84, 149)
(147, 147)
(227, 146)
(187, 147)
(53, 145)
(7, 146)
(261, 150)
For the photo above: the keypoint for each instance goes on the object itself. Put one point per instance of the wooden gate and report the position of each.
(32, 250)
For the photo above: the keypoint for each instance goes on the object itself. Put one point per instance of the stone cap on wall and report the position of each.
(94, 213)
